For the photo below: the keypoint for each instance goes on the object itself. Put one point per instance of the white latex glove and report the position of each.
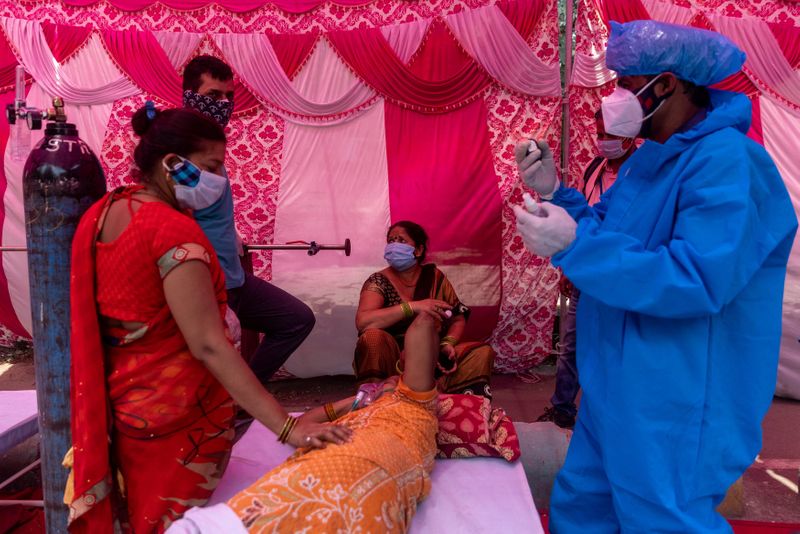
(537, 166)
(546, 232)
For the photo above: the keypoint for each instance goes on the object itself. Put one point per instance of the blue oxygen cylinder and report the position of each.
(62, 179)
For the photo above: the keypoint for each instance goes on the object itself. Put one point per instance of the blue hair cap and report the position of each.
(645, 47)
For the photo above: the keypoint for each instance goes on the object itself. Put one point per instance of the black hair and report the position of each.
(214, 67)
(179, 131)
(415, 232)
(698, 94)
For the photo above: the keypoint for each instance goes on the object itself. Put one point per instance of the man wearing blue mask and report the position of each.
(284, 320)
(681, 269)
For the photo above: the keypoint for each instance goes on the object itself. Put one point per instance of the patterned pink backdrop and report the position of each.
(523, 334)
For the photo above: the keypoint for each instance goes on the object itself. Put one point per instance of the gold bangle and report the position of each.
(448, 340)
(408, 311)
(288, 426)
(330, 411)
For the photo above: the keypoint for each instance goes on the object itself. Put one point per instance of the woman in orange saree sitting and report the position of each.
(154, 376)
(393, 298)
(370, 484)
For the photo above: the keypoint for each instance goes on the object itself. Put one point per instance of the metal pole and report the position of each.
(565, 96)
(62, 178)
(311, 247)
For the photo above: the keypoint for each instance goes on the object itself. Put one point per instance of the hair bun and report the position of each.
(144, 117)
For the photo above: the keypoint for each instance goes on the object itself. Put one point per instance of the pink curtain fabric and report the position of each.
(8, 65)
(781, 132)
(254, 60)
(256, 150)
(506, 57)
(524, 15)
(235, 6)
(178, 46)
(141, 57)
(374, 61)
(38, 60)
(788, 37)
(333, 186)
(766, 65)
(463, 216)
(405, 38)
(65, 40)
(589, 70)
(293, 50)
(666, 12)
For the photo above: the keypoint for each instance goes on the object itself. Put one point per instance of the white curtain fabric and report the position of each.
(781, 132)
(90, 67)
(488, 36)
(405, 38)
(334, 185)
(35, 55)
(253, 58)
(178, 45)
(768, 67)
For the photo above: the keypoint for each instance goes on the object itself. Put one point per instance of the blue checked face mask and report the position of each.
(195, 188)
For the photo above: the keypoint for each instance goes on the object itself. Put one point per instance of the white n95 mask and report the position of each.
(195, 189)
(622, 113)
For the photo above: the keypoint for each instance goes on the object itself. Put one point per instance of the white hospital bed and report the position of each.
(475, 495)
(18, 422)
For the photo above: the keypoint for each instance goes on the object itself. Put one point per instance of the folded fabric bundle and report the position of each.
(470, 427)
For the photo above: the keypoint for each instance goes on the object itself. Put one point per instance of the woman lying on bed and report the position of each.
(371, 483)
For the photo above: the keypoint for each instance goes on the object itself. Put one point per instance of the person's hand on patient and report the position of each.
(546, 229)
(319, 434)
(434, 307)
(448, 350)
(536, 166)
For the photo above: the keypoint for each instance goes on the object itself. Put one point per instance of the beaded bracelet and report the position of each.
(408, 311)
(288, 426)
(330, 411)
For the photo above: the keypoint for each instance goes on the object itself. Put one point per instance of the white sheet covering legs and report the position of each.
(211, 520)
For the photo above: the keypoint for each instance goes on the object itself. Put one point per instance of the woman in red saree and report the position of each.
(392, 299)
(154, 376)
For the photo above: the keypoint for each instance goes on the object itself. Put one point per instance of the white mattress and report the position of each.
(18, 417)
(476, 495)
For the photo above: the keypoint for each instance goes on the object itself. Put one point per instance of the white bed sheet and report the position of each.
(476, 495)
(18, 417)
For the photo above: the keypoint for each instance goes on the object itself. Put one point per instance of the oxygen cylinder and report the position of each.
(62, 179)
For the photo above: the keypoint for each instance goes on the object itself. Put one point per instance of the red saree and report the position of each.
(151, 427)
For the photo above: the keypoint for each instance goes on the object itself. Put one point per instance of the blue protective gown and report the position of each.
(681, 269)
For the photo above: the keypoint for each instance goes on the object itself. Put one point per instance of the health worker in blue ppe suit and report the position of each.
(681, 269)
